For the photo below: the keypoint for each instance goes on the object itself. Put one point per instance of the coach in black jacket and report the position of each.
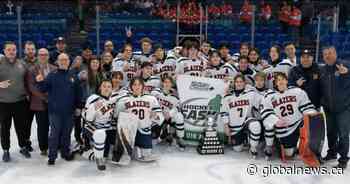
(307, 76)
(335, 86)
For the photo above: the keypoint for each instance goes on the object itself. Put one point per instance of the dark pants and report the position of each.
(59, 135)
(77, 129)
(28, 124)
(338, 125)
(42, 119)
(17, 111)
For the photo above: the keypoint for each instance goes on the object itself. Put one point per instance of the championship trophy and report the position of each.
(209, 142)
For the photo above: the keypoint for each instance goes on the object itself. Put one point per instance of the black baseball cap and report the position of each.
(60, 39)
(306, 52)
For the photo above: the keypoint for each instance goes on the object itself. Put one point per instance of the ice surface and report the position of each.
(173, 167)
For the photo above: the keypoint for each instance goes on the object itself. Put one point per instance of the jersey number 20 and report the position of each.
(139, 112)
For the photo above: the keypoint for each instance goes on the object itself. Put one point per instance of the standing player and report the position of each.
(276, 66)
(98, 115)
(191, 65)
(204, 51)
(236, 113)
(169, 103)
(244, 69)
(151, 82)
(147, 111)
(126, 63)
(216, 69)
(282, 113)
(164, 65)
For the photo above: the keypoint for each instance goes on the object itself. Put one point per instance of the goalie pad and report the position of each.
(312, 135)
(125, 139)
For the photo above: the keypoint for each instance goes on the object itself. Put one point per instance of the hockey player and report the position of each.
(282, 113)
(147, 111)
(98, 115)
(169, 103)
(243, 68)
(216, 69)
(191, 65)
(126, 64)
(237, 116)
(146, 53)
(164, 65)
(151, 82)
(255, 61)
(205, 51)
(276, 66)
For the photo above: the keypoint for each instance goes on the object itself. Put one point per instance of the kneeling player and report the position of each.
(237, 115)
(282, 112)
(98, 115)
(169, 103)
(147, 111)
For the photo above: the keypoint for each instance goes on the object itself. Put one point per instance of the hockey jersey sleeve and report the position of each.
(91, 108)
(156, 109)
(305, 105)
(224, 112)
(267, 112)
(117, 65)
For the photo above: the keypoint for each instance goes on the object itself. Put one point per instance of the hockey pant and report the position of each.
(251, 128)
(99, 138)
(287, 136)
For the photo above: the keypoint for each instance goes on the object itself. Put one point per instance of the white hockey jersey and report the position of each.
(186, 66)
(98, 112)
(236, 110)
(219, 72)
(166, 68)
(289, 106)
(118, 65)
(168, 102)
(143, 107)
(141, 57)
(283, 66)
(151, 83)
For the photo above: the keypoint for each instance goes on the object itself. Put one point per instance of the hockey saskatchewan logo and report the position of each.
(201, 86)
(196, 110)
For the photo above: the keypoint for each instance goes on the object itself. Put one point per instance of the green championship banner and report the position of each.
(199, 97)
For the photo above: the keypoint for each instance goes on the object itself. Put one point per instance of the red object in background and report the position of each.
(283, 14)
(295, 17)
(266, 11)
(246, 12)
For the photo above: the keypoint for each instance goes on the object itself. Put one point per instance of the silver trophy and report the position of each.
(209, 142)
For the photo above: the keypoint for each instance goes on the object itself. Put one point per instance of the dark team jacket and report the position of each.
(64, 91)
(335, 88)
(312, 84)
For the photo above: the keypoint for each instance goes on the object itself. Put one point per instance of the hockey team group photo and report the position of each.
(174, 91)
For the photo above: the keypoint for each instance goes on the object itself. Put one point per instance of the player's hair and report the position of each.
(115, 74)
(8, 43)
(242, 58)
(244, 44)
(146, 39)
(133, 80)
(29, 43)
(288, 43)
(126, 45)
(261, 75)
(168, 78)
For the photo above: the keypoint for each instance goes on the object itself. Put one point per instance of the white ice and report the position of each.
(173, 167)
